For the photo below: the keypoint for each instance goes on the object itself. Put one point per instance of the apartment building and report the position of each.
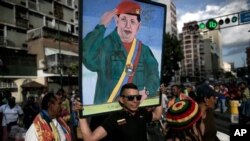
(202, 53)
(213, 50)
(191, 44)
(34, 36)
(171, 19)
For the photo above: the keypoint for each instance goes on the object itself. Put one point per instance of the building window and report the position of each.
(76, 15)
(7, 84)
(69, 2)
(58, 11)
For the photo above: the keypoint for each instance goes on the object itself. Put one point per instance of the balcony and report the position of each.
(32, 5)
(2, 41)
(34, 33)
(48, 32)
(69, 61)
(21, 22)
(17, 63)
(8, 85)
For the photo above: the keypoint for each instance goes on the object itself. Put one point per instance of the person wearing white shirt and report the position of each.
(11, 113)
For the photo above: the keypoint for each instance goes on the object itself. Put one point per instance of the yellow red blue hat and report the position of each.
(128, 7)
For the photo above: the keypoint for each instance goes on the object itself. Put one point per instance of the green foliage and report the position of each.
(73, 68)
(228, 75)
(172, 55)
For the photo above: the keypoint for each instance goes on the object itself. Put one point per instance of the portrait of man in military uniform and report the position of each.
(115, 50)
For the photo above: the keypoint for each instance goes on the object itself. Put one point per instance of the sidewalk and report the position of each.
(223, 136)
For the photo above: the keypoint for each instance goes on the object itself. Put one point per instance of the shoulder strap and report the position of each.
(136, 61)
(124, 77)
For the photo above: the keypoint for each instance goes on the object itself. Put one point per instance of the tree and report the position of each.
(171, 56)
(229, 75)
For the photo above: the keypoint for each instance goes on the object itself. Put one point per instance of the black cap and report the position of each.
(204, 90)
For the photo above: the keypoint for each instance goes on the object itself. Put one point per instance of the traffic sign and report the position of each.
(244, 17)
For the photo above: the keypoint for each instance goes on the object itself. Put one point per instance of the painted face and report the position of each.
(131, 99)
(127, 27)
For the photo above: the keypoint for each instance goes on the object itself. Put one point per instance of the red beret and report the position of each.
(129, 7)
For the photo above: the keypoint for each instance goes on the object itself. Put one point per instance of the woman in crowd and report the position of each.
(11, 112)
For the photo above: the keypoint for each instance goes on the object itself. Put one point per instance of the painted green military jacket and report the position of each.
(107, 56)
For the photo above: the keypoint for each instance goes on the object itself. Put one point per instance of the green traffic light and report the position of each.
(234, 19)
(211, 24)
(202, 26)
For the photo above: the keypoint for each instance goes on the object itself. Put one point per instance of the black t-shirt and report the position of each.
(210, 126)
(123, 126)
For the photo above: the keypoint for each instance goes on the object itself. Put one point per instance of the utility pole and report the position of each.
(249, 38)
(60, 56)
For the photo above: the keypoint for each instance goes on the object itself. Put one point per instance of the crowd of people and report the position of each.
(210, 97)
(18, 119)
(188, 112)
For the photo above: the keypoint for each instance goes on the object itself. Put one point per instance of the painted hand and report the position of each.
(144, 94)
(107, 17)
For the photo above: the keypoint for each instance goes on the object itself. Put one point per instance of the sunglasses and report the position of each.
(132, 97)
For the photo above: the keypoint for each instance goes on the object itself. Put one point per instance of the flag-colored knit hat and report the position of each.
(183, 114)
(128, 7)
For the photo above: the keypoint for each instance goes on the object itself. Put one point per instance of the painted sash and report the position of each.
(129, 69)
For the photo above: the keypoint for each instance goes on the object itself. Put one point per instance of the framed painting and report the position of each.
(120, 42)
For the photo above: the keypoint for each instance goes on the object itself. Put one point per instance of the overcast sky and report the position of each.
(234, 39)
